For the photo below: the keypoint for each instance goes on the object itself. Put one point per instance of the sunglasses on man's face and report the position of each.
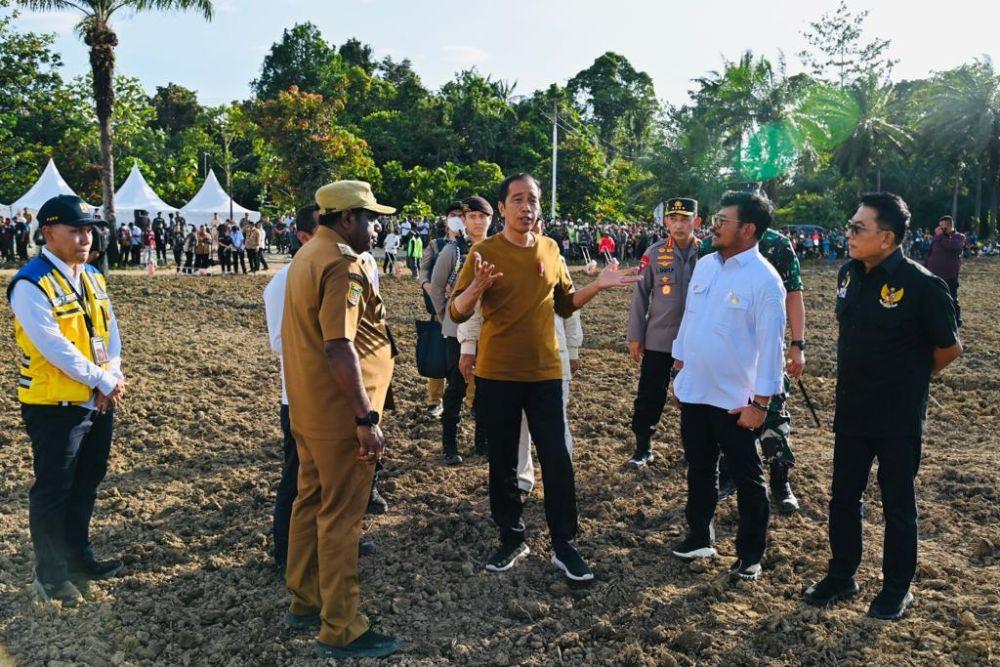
(855, 228)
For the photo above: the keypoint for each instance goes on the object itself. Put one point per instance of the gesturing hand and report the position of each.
(612, 277)
(485, 276)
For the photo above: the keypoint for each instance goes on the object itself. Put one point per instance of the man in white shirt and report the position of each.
(391, 246)
(274, 307)
(728, 354)
(69, 386)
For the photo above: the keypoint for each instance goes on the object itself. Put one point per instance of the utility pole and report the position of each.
(555, 153)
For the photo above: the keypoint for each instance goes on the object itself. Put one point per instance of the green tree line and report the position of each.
(811, 140)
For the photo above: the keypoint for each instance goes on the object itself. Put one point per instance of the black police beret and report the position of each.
(681, 205)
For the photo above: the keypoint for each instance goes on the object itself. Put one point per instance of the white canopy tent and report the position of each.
(136, 195)
(48, 185)
(212, 199)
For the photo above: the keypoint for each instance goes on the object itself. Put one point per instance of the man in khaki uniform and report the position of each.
(338, 356)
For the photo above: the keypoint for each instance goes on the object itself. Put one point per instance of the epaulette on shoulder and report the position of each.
(347, 251)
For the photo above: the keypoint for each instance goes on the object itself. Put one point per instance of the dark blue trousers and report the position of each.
(70, 446)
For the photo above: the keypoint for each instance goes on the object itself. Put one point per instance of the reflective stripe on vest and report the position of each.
(39, 382)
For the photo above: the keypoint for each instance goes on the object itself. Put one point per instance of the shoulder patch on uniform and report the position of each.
(347, 251)
(354, 291)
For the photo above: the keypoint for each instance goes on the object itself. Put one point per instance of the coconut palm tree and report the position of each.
(100, 37)
(963, 119)
(875, 134)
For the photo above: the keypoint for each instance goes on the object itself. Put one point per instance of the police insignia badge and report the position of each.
(644, 263)
(667, 289)
(891, 296)
(353, 293)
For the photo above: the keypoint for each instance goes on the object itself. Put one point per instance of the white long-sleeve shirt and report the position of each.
(274, 310)
(731, 334)
(34, 312)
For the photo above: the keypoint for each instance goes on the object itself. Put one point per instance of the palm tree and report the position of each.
(875, 134)
(963, 119)
(756, 110)
(97, 33)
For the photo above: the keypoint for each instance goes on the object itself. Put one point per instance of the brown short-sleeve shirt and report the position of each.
(331, 295)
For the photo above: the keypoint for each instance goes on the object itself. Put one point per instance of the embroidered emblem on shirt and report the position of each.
(891, 296)
(667, 289)
(353, 293)
(644, 263)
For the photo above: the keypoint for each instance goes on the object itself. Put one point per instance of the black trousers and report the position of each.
(500, 404)
(22, 250)
(136, 254)
(240, 257)
(70, 446)
(704, 430)
(254, 258)
(287, 490)
(178, 255)
(161, 253)
(261, 258)
(953, 288)
(201, 261)
(454, 396)
(224, 255)
(898, 461)
(654, 375)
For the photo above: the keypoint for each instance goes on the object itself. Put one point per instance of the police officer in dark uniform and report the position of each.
(896, 328)
(69, 385)
(655, 318)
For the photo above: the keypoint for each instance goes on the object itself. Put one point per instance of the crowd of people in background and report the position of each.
(243, 246)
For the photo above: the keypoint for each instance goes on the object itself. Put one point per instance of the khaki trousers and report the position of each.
(322, 570)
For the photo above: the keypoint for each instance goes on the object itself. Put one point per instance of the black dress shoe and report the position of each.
(366, 548)
(95, 570)
(452, 459)
(64, 592)
(302, 621)
(889, 606)
(828, 590)
(369, 645)
(376, 503)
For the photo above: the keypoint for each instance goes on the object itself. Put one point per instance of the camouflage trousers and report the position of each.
(775, 431)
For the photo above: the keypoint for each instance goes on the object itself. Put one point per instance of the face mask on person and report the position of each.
(456, 224)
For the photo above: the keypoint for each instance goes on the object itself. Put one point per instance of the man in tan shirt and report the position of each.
(520, 280)
(338, 357)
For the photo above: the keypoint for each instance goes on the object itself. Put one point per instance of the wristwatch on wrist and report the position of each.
(370, 419)
(801, 344)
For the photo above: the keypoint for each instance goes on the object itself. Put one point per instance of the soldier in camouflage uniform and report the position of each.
(778, 250)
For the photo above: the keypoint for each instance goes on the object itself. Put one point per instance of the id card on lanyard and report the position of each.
(98, 348)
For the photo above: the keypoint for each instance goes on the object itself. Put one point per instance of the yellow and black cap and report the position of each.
(66, 210)
(681, 206)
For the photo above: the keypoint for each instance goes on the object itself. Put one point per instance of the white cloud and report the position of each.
(465, 55)
(61, 23)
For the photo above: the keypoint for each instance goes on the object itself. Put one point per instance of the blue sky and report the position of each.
(533, 42)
